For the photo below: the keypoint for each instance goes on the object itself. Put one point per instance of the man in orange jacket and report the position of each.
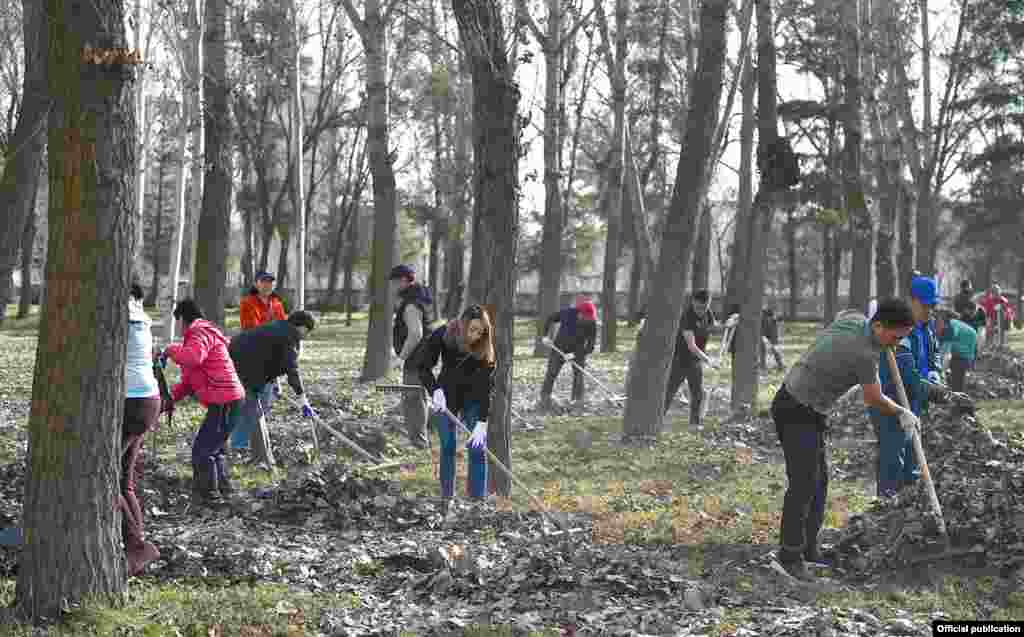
(260, 306)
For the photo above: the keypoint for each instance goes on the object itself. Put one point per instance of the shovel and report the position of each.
(926, 475)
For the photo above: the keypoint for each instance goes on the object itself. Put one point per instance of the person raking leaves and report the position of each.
(466, 349)
(577, 332)
(208, 373)
(262, 355)
(845, 354)
(919, 360)
(691, 355)
(261, 305)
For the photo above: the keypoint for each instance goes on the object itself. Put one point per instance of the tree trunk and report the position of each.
(249, 257)
(350, 264)
(702, 251)
(197, 183)
(739, 265)
(643, 254)
(151, 297)
(613, 216)
(215, 221)
(27, 144)
(455, 251)
(647, 382)
(554, 215)
(925, 212)
(496, 153)
(191, 152)
(28, 241)
(74, 443)
(885, 159)
(861, 224)
(748, 337)
(373, 33)
(790, 230)
(298, 193)
(284, 231)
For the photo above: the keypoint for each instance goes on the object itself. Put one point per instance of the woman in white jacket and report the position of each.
(141, 413)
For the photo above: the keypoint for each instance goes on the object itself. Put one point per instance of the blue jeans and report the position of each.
(897, 464)
(257, 402)
(477, 484)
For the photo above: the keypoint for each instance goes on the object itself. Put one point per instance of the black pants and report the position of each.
(693, 373)
(801, 431)
(555, 362)
(958, 367)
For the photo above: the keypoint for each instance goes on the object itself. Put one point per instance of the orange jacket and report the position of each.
(253, 312)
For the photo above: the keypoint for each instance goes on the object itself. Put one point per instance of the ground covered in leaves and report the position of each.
(674, 539)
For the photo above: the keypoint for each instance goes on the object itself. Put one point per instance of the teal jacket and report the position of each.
(961, 339)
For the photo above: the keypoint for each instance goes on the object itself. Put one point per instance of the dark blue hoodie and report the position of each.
(419, 296)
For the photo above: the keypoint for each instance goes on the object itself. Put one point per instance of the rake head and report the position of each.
(398, 389)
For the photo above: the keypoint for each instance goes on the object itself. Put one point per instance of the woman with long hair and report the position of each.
(466, 349)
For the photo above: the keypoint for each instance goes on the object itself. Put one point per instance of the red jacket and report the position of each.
(253, 312)
(989, 303)
(206, 367)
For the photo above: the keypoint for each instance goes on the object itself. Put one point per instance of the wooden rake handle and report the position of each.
(926, 474)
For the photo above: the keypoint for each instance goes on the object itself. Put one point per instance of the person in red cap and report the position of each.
(577, 332)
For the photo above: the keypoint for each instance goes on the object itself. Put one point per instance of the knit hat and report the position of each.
(587, 309)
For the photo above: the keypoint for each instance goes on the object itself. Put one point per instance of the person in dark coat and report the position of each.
(577, 331)
(411, 325)
(770, 338)
(465, 348)
(963, 302)
(261, 355)
(691, 355)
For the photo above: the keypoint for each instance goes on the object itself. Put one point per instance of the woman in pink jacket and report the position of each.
(208, 373)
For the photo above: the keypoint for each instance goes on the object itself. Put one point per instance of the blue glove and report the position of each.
(307, 409)
(276, 390)
(163, 359)
(478, 438)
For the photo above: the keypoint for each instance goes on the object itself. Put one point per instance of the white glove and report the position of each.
(733, 320)
(397, 362)
(569, 356)
(546, 340)
(438, 403)
(909, 421)
(478, 438)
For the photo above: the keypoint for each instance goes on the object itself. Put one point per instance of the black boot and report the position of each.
(224, 485)
(204, 484)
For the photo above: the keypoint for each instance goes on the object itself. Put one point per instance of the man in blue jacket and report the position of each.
(919, 360)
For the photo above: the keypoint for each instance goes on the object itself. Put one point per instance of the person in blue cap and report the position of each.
(919, 360)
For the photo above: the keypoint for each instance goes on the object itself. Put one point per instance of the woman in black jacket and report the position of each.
(466, 349)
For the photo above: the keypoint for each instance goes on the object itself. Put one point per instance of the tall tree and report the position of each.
(771, 160)
(861, 223)
(25, 147)
(647, 383)
(553, 43)
(372, 30)
(739, 264)
(215, 221)
(612, 202)
(496, 205)
(78, 389)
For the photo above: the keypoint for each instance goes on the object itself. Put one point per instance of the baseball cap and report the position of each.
(263, 275)
(587, 309)
(925, 289)
(402, 271)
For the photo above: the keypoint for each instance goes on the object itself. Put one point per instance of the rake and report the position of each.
(571, 359)
(541, 507)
